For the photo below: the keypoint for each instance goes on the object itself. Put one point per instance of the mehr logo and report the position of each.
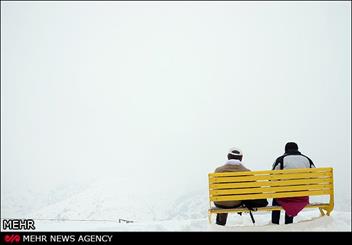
(13, 238)
(18, 224)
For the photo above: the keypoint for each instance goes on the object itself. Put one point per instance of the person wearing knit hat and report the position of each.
(292, 158)
(291, 147)
(233, 164)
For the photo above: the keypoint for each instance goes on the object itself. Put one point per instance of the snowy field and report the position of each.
(305, 221)
(120, 110)
(95, 207)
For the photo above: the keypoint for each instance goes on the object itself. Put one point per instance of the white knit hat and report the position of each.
(235, 153)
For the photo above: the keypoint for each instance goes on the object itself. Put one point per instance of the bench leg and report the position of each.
(209, 218)
(327, 210)
(321, 212)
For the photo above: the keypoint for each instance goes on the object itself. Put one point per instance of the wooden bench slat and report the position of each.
(263, 190)
(270, 177)
(271, 172)
(269, 195)
(270, 183)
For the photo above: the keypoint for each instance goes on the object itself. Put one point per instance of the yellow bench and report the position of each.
(231, 186)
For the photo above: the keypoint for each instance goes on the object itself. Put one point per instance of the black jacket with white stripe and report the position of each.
(293, 159)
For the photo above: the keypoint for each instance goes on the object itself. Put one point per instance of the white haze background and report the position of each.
(149, 96)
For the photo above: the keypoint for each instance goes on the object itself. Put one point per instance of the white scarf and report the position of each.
(234, 162)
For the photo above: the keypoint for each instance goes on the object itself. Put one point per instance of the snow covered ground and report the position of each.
(305, 221)
(102, 203)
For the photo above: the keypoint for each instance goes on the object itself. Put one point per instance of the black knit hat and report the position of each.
(291, 146)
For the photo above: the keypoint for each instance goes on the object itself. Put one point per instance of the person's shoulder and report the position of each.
(280, 158)
(237, 168)
(305, 156)
(310, 160)
(219, 169)
(278, 161)
(243, 168)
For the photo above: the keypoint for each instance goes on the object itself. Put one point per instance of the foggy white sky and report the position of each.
(163, 90)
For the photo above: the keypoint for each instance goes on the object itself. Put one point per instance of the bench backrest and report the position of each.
(249, 185)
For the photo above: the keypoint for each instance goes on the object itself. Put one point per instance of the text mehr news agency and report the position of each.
(67, 238)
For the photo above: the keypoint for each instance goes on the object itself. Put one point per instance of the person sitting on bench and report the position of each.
(292, 205)
(233, 164)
